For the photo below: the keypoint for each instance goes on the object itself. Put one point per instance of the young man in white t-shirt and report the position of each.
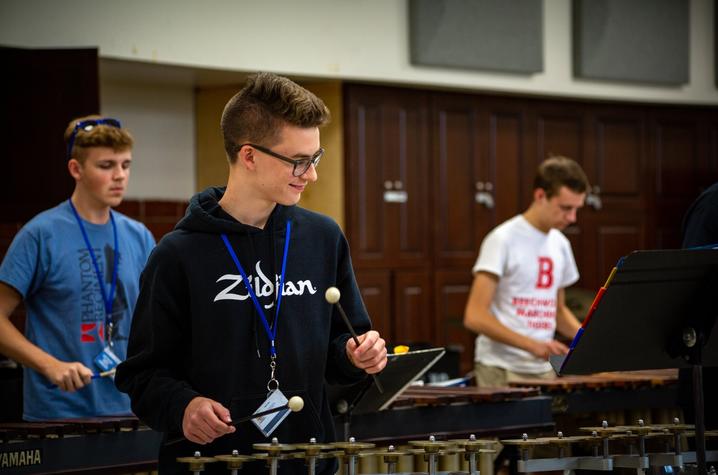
(517, 300)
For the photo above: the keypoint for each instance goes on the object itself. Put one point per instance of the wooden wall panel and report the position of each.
(411, 176)
(457, 153)
(365, 169)
(614, 241)
(413, 322)
(40, 92)
(387, 155)
(451, 291)
(646, 164)
(558, 135)
(676, 159)
(375, 286)
(619, 155)
(506, 157)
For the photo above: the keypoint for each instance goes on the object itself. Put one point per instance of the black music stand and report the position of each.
(657, 312)
(401, 370)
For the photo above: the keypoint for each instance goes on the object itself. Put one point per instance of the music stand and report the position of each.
(400, 371)
(656, 312)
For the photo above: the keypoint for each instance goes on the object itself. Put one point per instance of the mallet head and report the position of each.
(295, 403)
(332, 295)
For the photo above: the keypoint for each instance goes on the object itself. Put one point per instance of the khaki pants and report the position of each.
(494, 377)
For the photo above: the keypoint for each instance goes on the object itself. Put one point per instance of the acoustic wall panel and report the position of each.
(635, 40)
(494, 35)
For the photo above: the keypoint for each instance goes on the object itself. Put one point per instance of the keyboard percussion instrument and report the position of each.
(406, 444)
(641, 447)
(426, 429)
(120, 444)
(431, 456)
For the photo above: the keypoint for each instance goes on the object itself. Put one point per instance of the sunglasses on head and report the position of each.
(86, 126)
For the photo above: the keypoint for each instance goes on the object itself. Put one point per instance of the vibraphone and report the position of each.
(428, 427)
(457, 456)
(639, 447)
(78, 445)
(421, 411)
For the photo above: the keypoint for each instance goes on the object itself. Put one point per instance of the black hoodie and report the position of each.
(195, 332)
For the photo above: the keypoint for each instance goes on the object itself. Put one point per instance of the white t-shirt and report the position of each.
(532, 266)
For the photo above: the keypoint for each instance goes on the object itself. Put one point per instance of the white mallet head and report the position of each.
(295, 403)
(332, 295)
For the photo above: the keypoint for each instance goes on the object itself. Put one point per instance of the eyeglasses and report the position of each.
(86, 126)
(300, 165)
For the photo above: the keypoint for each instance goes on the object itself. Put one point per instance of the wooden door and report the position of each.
(399, 304)
(412, 307)
(613, 222)
(506, 127)
(459, 153)
(387, 176)
(42, 90)
(375, 287)
(683, 152)
(451, 292)
(478, 150)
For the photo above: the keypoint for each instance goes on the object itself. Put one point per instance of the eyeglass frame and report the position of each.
(86, 123)
(295, 162)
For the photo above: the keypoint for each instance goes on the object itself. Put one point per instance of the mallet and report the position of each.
(332, 295)
(295, 404)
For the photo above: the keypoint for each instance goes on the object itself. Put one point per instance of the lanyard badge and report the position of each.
(267, 423)
(273, 383)
(106, 359)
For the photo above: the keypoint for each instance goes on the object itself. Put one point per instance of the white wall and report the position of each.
(364, 40)
(161, 120)
(349, 39)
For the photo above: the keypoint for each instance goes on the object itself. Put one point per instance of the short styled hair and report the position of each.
(558, 171)
(258, 111)
(101, 135)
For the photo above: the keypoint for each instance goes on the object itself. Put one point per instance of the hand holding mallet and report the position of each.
(294, 404)
(332, 295)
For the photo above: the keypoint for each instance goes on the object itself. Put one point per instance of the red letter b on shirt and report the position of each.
(545, 273)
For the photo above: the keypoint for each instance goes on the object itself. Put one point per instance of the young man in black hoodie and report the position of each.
(212, 336)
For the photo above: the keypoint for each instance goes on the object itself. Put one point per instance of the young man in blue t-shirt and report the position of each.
(76, 267)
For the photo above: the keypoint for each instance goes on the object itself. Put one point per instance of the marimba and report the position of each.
(618, 397)
(78, 445)
(421, 411)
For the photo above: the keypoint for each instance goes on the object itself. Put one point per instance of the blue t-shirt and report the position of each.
(50, 265)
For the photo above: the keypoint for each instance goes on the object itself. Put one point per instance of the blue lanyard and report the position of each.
(107, 300)
(271, 333)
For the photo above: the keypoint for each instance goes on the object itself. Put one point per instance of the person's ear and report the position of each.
(539, 194)
(75, 168)
(246, 157)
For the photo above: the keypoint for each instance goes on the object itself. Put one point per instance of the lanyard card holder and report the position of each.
(106, 359)
(267, 424)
